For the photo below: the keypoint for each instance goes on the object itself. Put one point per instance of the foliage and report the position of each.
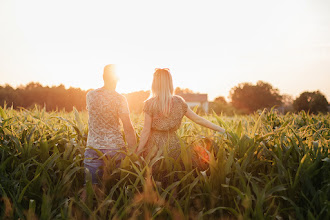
(51, 98)
(136, 100)
(220, 99)
(250, 98)
(220, 106)
(272, 166)
(58, 97)
(179, 91)
(313, 102)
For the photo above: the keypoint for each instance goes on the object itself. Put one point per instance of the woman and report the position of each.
(163, 114)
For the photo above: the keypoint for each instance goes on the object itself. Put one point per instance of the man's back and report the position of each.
(104, 107)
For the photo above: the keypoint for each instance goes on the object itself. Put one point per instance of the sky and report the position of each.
(209, 46)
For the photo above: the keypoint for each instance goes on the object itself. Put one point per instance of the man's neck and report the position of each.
(110, 88)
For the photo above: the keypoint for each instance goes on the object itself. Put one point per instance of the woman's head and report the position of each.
(162, 89)
(162, 83)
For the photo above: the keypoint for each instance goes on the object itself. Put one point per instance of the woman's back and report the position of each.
(163, 127)
(163, 116)
(171, 122)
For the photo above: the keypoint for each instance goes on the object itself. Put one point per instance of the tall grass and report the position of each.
(270, 166)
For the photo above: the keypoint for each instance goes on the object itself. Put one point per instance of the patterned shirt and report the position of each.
(104, 107)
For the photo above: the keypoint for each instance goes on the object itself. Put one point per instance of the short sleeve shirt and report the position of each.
(104, 107)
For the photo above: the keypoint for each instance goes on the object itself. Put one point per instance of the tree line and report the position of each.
(245, 98)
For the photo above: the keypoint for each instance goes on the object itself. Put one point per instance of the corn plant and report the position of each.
(267, 166)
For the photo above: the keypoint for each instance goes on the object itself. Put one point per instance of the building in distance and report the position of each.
(196, 99)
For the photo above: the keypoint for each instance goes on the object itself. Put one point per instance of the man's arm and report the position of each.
(128, 129)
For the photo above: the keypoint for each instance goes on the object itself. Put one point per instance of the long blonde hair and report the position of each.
(162, 90)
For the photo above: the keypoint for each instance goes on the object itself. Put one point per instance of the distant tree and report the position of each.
(220, 106)
(313, 102)
(220, 99)
(56, 97)
(136, 100)
(287, 104)
(249, 98)
(179, 90)
(287, 99)
(8, 95)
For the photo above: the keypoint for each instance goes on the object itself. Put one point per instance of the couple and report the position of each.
(163, 114)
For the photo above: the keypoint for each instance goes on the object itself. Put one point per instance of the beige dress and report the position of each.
(163, 128)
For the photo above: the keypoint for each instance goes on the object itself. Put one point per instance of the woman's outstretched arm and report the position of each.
(145, 132)
(202, 121)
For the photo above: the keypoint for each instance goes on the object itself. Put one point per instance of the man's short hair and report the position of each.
(109, 73)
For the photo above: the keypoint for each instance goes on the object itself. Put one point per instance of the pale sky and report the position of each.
(209, 46)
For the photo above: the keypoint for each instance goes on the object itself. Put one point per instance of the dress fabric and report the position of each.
(163, 128)
(104, 107)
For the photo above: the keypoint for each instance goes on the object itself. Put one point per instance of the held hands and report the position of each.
(135, 152)
(139, 150)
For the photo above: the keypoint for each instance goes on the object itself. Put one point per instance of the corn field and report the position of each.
(271, 166)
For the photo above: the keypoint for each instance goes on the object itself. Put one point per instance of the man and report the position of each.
(105, 107)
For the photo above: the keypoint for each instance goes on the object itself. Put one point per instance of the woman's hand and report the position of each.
(221, 130)
(139, 150)
(144, 134)
(227, 135)
(224, 132)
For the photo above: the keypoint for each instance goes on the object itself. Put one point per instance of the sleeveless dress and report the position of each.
(163, 128)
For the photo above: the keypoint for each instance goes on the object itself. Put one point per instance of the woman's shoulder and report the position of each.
(149, 101)
(148, 105)
(178, 98)
(181, 103)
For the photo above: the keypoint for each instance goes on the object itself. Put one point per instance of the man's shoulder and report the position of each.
(113, 95)
(121, 96)
(91, 92)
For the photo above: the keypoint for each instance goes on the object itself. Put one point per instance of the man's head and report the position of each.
(109, 76)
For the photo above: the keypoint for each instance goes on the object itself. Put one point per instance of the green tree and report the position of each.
(179, 91)
(313, 102)
(52, 98)
(220, 99)
(136, 100)
(221, 106)
(249, 98)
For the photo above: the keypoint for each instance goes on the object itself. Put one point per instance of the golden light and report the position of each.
(201, 150)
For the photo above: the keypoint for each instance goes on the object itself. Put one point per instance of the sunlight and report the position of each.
(201, 150)
(224, 42)
(133, 77)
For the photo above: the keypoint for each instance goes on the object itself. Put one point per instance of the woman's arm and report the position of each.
(145, 132)
(202, 121)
